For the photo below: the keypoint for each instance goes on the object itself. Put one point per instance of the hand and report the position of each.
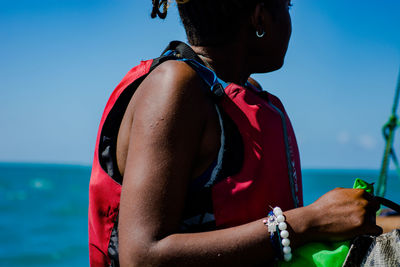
(343, 214)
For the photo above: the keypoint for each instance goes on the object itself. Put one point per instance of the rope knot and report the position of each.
(393, 122)
(390, 126)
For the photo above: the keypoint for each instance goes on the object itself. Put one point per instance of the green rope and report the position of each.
(388, 133)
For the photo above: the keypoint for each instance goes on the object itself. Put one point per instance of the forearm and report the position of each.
(237, 246)
(244, 245)
(388, 223)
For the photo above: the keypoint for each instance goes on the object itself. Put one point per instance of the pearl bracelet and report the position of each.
(276, 223)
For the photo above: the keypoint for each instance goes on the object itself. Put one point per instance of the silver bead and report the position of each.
(277, 211)
(287, 257)
(282, 226)
(280, 218)
(287, 250)
(284, 234)
(285, 242)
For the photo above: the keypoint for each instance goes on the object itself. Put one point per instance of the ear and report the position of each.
(258, 17)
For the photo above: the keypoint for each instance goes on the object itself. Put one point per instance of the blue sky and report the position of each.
(60, 60)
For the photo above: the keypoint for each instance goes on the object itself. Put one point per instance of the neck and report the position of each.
(228, 61)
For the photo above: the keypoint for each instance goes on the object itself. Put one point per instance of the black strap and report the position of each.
(183, 49)
(388, 203)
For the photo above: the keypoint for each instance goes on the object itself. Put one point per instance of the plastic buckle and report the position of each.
(218, 90)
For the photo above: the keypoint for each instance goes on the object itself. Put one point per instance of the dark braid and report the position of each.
(156, 9)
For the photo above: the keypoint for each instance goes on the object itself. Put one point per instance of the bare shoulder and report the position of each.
(175, 76)
(170, 100)
(172, 85)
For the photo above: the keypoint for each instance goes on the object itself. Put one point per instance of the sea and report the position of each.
(44, 208)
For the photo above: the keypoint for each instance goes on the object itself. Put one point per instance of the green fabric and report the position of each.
(324, 254)
(361, 184)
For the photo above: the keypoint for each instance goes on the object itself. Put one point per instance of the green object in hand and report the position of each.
(324, 254)
(361, 184)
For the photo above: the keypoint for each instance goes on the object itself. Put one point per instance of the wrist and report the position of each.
(300, 222)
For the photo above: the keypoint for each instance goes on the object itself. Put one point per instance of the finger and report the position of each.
(367, 195)
(373, 205)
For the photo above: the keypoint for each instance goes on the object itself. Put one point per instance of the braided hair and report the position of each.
(157, 4)
(209, 22)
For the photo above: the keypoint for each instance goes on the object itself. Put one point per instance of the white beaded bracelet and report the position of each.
(283, 233)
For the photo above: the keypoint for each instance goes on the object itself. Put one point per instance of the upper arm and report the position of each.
(165, 136)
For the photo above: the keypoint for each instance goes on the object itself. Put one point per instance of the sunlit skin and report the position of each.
(170, 135)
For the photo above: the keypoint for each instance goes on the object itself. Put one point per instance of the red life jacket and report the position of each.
(269, 174)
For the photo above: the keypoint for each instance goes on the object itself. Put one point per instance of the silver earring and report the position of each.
(260, 35)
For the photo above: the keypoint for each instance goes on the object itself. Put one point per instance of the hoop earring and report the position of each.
(260, 35)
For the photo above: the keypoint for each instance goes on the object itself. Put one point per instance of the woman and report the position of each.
(171, 134)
